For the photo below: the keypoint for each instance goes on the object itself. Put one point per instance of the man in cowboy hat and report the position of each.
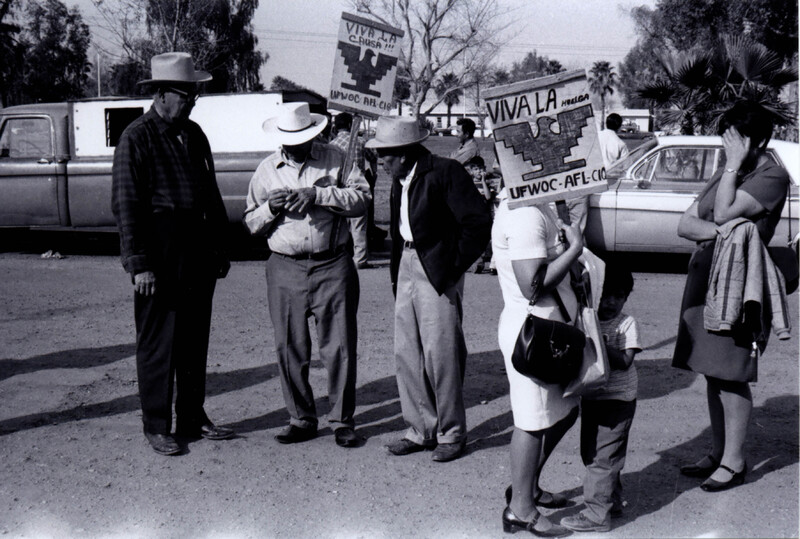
(171, 223)
(440, 225)
(300, 199)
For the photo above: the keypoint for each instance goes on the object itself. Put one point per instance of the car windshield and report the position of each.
(617, 170)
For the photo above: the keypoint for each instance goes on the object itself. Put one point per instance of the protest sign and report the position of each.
(546, 139)
(365, 66)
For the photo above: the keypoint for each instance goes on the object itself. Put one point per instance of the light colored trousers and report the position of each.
(358, 229)
(430, 353)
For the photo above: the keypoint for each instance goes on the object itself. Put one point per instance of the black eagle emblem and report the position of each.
(548, 148)
(362, 70)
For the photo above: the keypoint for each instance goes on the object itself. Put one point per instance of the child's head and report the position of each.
(475, 166)
(617, 286)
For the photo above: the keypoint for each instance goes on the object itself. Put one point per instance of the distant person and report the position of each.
(172, 225)
(487, 186)
(749, 189)
(612, 147)
(607, 414)
(439, 226)
(468, 146)
(300, 202)
(367, 162)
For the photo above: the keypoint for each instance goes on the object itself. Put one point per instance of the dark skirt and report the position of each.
(724, 355)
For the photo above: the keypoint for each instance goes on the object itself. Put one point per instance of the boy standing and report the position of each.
(607, 414)
(486, 185)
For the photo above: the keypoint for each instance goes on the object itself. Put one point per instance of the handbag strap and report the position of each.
(536, 286)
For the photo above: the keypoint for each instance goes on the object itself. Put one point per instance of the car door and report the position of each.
(651, 200)
(28, 172)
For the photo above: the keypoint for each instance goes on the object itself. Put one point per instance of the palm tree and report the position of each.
(700, 85)
(447, 89)
(684, 98)
(602, 80)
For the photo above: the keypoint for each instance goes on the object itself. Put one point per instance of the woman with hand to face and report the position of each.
(752, 186)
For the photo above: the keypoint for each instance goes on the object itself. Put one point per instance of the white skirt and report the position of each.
(535, 406)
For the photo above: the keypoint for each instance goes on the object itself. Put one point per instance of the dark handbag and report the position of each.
(548, 351)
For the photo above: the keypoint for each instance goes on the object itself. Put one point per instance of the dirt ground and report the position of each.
(74, 463)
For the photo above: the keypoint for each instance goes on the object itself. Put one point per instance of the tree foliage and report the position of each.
(217, 33)
(11, 54)
(602, 81)
(441, 36)
(448, 90)
(280, 84)
(680, 26)
(44, 56)
(701, 84)
(534, 66)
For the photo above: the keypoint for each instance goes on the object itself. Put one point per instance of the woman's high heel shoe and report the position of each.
(737, 478)
(698, 470)
(512, 524)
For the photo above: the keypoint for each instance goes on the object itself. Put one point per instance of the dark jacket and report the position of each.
(451, 222)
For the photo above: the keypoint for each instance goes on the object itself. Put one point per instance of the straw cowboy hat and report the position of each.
(295, 124)
(175, 68)
(394, 131)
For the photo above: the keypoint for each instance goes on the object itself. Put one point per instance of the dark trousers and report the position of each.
(328, 290)
(172, 344)
(605, 425)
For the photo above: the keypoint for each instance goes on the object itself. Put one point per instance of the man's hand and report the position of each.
(145, 283)
(277, 200)
(301, 199)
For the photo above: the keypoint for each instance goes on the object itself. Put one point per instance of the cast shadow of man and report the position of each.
(79, 358)
(216, 384)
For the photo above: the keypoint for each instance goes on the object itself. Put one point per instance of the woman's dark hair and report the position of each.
(618, 279)
(751, 120)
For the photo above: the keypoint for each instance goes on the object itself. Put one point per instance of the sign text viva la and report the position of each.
(519, 106)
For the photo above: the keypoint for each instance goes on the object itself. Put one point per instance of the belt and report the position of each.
(409, 245)
(321, 255)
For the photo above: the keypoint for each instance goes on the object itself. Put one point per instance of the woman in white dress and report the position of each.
(523, 239)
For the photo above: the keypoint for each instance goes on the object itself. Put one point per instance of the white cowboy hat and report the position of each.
(174, 67)
(295, 124)
(394, 131)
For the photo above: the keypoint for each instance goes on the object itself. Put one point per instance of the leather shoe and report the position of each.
(512, 524)
(163, 444)
(365, 265)
(210, 431)
(700, 470)
(448, 452)
(404, 446)
(582, 523)
(346, 437)
(294, 434)
(737, 478)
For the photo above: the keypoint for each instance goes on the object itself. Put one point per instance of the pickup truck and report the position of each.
(55, 158)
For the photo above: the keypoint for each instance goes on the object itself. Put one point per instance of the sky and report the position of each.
(300, 35)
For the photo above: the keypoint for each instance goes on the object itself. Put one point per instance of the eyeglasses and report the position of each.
(189, 96)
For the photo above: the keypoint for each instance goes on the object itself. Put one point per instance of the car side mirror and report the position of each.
(643, 184)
